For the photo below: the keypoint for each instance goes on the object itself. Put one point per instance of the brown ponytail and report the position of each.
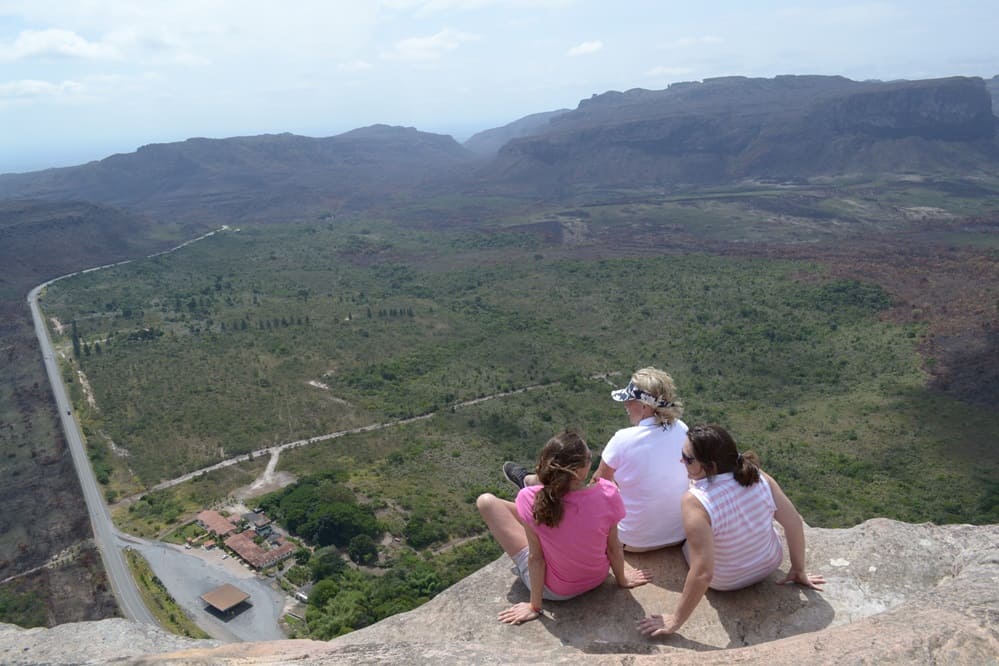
(747, 468)
(558, 463)
(715, 449)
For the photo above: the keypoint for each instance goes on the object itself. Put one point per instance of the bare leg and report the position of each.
(501, 519)
(532, 480)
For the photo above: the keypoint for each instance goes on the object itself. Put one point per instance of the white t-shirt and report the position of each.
(652, 480)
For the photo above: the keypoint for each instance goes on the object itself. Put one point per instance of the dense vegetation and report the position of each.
(262, 336)
(350, 599)
(322, 511)
(22, 608)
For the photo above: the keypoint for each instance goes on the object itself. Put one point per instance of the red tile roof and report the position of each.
(215, 522)
(242, 544)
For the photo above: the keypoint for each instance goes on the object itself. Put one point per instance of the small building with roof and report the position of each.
(258, 522)
(215, 522)
(225, 598)
(256, 556)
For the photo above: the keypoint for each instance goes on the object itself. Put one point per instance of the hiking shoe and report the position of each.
(515, 473)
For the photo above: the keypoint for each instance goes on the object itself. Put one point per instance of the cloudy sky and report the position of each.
(83, 79)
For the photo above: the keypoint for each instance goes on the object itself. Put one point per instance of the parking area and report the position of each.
(189, 573)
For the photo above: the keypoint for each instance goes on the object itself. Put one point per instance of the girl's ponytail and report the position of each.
(558, 464)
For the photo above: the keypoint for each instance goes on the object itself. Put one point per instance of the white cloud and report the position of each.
(423, 49)
(55, 42)
(156, 45)
(30, 88)
(217, 32)
(586, 48)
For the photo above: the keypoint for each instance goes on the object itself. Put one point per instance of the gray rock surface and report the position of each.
(897, 593)
(97, 642)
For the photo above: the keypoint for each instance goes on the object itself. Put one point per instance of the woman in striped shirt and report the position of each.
(728, 515)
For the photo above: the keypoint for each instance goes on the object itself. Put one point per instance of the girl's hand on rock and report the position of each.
(658, 625)
(635, 578)
(518, 613)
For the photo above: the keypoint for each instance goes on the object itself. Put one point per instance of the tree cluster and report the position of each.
(322, 511)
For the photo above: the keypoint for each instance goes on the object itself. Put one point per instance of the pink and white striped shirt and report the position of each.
(747, 547)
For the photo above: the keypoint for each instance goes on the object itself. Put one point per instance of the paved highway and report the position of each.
(186, 575)
(108, 542)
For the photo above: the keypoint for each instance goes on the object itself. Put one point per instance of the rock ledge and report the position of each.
(897, 594)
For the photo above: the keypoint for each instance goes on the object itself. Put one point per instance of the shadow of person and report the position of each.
(756, 614)
(768, 612)
(601, 621)
(667, 566)
(604, 620)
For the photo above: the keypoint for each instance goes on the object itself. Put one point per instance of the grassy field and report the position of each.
(266, 335)
(263, 336)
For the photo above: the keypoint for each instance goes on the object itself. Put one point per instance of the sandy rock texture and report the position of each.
(97, 642)
(897, 594)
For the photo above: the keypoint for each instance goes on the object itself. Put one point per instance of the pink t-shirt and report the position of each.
(576, 550)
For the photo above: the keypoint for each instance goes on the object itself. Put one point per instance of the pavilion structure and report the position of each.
(225, 598)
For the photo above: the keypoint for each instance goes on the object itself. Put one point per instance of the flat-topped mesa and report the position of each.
(733, 128)
(897, 593)
(955, 109)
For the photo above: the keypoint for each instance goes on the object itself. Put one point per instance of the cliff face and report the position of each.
(950, 110)
(735, 128)
(897, 594)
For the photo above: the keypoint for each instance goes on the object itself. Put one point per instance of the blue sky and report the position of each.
(83, 79)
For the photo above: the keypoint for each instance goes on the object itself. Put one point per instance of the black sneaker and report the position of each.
(515, 473)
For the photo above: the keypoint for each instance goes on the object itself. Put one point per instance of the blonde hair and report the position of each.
(659, 384)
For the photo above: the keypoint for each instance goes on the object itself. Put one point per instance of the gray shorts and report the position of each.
(520, 568)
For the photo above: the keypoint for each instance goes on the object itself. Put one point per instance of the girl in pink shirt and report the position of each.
(562, 535)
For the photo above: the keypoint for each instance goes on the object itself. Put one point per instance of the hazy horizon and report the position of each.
(79, 83)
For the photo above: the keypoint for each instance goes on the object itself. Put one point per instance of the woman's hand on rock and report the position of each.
(814, 581)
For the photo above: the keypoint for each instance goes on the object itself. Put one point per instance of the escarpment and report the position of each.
(732, 128)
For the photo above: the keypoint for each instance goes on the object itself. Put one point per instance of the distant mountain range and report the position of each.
(42, 239)
(489, 142)
(715, 131)
(737, 128)
(256, 177)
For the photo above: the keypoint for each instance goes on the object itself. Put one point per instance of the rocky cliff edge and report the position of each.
(897, 594)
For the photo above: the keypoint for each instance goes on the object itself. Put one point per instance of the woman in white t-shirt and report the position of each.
(728, 516)
(641, 460)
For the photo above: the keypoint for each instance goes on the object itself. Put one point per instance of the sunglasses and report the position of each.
(687, 460)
